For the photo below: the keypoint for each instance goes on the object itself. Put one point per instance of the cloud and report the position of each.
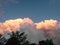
(36, 31)
(51, 29)
(46, 24)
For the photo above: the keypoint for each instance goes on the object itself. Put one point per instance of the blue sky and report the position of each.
(37, 10)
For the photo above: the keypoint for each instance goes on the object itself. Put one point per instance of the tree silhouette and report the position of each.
(1, 43)
(46, 42)
(0, 35)
(17, 38)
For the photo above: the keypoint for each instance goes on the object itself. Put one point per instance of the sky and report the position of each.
(37, 10)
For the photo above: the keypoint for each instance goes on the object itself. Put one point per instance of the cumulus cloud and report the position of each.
(35, 31)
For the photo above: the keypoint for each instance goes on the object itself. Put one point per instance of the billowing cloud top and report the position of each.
(47, 24)
(11, 25)
(36, 31)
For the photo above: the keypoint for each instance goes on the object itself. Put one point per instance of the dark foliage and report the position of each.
(1, 43)
(46, 42)
(17, 39)
(20, 39)
(0, 35)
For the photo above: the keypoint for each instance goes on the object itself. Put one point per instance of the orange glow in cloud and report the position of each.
(11, 25)
(47, 24)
